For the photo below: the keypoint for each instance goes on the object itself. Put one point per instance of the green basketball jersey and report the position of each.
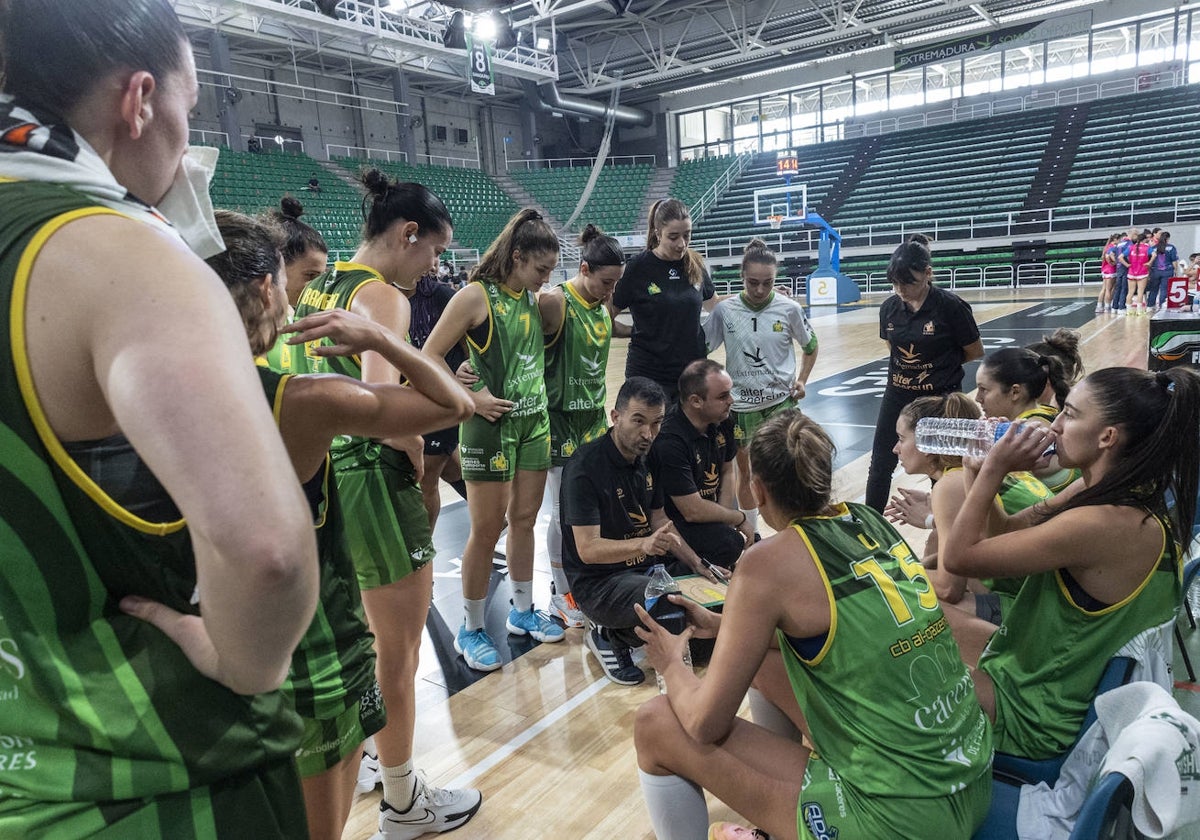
(1047, 656)
(506, 351)
(335, 289)
(1021, 490)
(888, 700)
(284, 357)
(334, 664)
(577, 356)
(98, 710)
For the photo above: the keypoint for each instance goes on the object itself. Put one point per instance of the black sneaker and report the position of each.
(615, 659)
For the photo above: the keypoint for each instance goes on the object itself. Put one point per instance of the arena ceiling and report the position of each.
(646, 47)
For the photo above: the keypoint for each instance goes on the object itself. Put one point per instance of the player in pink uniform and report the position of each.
(1138, 262)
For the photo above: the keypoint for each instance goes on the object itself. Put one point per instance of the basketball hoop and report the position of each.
(776, 222)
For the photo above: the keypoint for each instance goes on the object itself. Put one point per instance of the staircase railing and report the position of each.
(723, 182)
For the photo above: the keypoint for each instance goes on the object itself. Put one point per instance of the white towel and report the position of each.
(1155, 744)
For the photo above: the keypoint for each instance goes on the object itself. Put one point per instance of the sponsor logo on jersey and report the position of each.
(673, 274)
(908, 354)
(738, 434)
(754, 359)
(928, 328)
(501, 308)
(568, 448)
(527, 359)
(580, 405)
(777, 326)
(498, 462)
(593, 366)
(12, 666)
(637, 516)
(814, 818)
(653, 289)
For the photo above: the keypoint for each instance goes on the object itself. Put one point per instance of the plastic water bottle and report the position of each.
(671, 616)
(958, 435)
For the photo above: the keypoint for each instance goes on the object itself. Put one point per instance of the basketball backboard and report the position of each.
(788, 203)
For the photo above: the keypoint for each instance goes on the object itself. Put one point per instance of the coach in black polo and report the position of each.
(693, 458)
(614, 527)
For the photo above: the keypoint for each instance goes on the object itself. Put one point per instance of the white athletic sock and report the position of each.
(751, 517)
(554, 541)
(369, 747)
(399, 785)
(474, 612)
(522, 594)
(676, 806)
(766, 714)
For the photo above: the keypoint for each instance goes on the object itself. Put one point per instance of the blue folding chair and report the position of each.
(1018, 770)
(1100, 814)
(1190, 569)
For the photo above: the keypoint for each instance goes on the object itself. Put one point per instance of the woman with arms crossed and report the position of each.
(1101, 559)
(870, 661)
(127, 480)
(664, 288)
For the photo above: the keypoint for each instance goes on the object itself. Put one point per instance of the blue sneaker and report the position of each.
(477, 648)
(534, 623)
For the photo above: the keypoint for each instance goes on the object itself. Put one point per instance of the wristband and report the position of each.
(929, 521)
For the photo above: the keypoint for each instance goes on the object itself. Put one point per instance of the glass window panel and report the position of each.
(839, 97)
(871, 94)
(1067, 58)
(908, 89)
(943, 81)
(1023, 67)
(716, 121)
(981, 74)
(1156, 41)
(691, 128)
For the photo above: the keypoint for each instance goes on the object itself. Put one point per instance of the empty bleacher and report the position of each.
(693, 178)
(615, 204)
(254, 182)
(1126, 156)
(479, 207)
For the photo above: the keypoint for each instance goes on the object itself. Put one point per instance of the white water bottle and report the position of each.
(958, 435)
(671, 616)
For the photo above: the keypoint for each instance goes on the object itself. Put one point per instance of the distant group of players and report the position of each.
(1134, 269)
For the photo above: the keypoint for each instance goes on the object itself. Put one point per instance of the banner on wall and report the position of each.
(1021, 35)
(479, 67)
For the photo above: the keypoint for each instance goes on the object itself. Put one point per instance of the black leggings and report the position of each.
(883, 459)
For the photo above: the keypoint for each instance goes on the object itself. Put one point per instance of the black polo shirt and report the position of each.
(666, 317)
(600, 487)
(927, 345)
(687, 461)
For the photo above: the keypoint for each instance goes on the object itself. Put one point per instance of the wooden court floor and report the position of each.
(548, 739)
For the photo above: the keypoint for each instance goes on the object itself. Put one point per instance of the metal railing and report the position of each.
(1053, 273)
(367, 153)
(278, 143)
(571, 162)
(1013, 104)
(723, 182)
(208, 138)
(1015, 224)
(240, 85)
(447, 160)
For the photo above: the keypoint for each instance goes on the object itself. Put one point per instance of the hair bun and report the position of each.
(376, 182)
(290, 207)
(920, 239)
(754, 244)
(589, 233)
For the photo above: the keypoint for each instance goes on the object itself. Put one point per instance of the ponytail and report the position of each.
(388, 202)
(526, 232)
(793, 457)
(1023, 367)
(911, 258)
(597, 249)
(757, 252)
(1158, 415)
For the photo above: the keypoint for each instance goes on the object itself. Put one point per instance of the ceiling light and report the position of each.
(485, 27)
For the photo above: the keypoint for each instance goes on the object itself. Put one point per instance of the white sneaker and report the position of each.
(564, 608)
(432, 810)
(369, 774)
